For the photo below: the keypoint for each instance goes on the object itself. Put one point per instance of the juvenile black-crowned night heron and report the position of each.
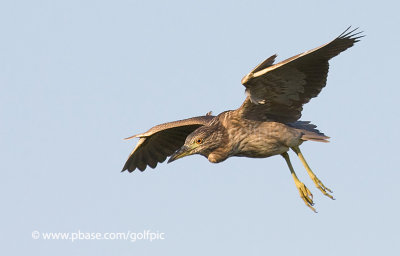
(266, 124)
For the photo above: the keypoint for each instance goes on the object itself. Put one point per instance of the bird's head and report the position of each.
(201, 141)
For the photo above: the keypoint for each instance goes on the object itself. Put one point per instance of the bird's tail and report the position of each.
(310, 131)
(315, 137)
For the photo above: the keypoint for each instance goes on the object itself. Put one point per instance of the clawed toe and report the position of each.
(306, 195)
(322, 187)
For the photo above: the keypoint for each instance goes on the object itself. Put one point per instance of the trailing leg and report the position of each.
(314, 178)
(305, 194)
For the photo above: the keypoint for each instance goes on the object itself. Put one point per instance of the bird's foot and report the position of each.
(305, 194)
(322, 187)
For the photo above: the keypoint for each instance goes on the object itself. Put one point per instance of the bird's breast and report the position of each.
(263, 139)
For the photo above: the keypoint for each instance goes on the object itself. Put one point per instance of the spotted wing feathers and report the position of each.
(278, 92)
(161, 141)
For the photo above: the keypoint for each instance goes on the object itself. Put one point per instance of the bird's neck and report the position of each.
(224, 149)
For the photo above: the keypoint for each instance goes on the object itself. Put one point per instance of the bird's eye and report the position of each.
(199, 141)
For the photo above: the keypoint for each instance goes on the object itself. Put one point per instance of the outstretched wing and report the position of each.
(278, 92)
(161, 141)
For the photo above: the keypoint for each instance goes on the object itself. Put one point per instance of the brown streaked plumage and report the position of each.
(266, 124)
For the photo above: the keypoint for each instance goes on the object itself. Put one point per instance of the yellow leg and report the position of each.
(314, 178)
(305, 194)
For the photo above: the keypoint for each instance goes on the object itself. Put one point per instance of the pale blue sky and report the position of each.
(78, 76)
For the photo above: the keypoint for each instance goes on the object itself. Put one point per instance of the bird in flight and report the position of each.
(266, 124)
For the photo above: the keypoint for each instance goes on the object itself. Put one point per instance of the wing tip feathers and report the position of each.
(351, 35)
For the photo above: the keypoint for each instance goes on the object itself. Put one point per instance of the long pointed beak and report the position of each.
(183, 151)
